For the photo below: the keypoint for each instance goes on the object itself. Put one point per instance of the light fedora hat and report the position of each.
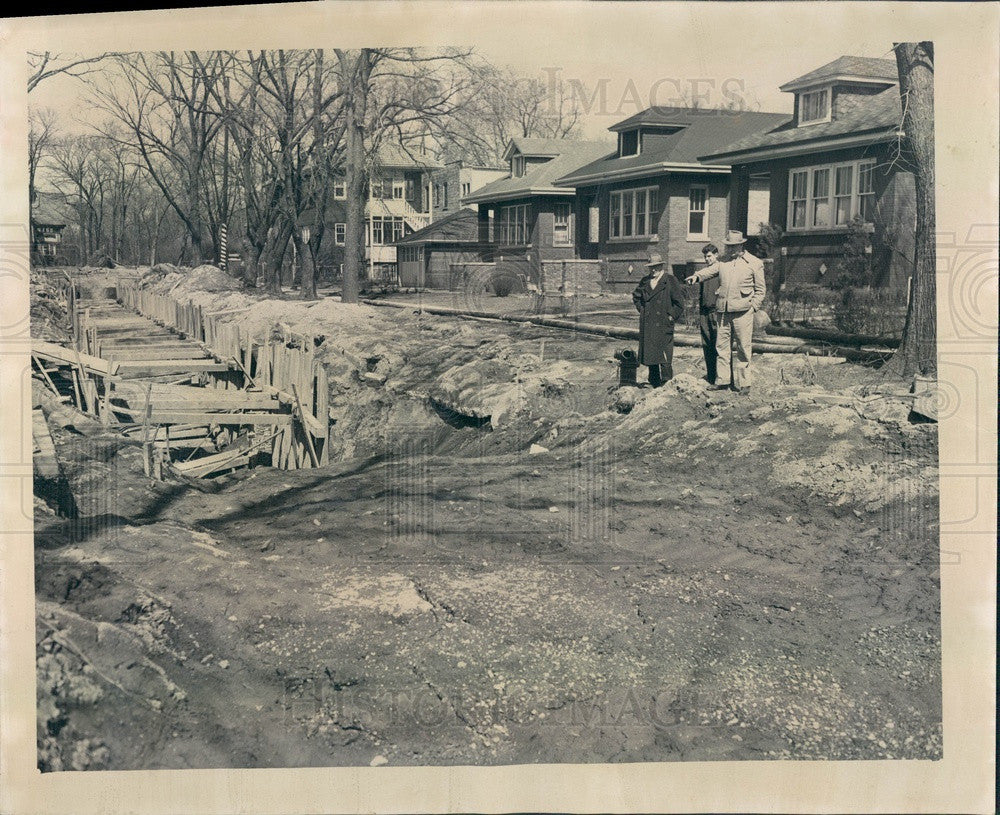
(734, 238)
(654, 260)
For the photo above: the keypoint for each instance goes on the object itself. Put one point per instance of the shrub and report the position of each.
(856, 267)
(880, 312)
(504, 285)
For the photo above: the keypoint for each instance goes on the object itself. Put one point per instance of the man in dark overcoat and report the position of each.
(660, 302)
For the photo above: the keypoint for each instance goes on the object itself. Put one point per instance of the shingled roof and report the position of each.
(539, 178)
(701, 130)
(390, 154)
(457, 227)
(873, 118)
(50, 209)
(847, 67)
(534, 147)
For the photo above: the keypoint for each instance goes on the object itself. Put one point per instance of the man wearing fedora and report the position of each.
(741, 292)
(660, 302)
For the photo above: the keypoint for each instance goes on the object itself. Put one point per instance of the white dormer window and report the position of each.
(814, 107)
(517, 166)
(628, 143)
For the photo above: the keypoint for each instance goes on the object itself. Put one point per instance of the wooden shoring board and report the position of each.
(158, 416)
(218, 463)
(194, 393)
(43, 461)
(163, 366)
(69, 356)
(144, 341)
(177, 432)
(162, 402)
(151, 353)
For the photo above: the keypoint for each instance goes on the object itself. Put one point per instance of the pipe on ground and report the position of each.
(770, 345)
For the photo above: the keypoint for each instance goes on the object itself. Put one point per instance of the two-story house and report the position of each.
(398, 203)
(653, 194)
(48, 220)
(524, 217)
(457, 180)
(837, 160)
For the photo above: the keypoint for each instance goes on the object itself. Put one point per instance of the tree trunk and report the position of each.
(918, 348)
(355, 76)
(305, 257)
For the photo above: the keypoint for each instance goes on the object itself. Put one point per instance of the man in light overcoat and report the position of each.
(741, 292)
(660, 302)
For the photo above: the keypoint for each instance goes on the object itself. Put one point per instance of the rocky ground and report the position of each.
(509, 561)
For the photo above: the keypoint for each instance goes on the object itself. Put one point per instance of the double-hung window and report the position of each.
(820, 198)
(697, 212)
(339, 190)
(831, 196)
(339, 234)
(814, 107)
(562, 230)
(632, 213)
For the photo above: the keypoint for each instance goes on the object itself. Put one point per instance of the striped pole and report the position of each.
(223, 247)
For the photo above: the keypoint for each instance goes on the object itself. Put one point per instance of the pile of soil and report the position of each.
(509, 560)
(180, 283)
(47, 311)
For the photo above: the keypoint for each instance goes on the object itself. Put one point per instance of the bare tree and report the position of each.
(41, 135)
(280, 110)
(918, 349)
(397, 94)
(46, 64)
(502, 104)
(162, 99)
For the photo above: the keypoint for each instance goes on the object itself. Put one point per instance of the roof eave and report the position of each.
(854, 79)
(821, 145)
(639, 172)
(507, 196)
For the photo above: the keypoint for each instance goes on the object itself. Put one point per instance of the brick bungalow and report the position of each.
(524, 219)
(653, 194)
(837, 159)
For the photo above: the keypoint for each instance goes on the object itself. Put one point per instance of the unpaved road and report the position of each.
(702, 577)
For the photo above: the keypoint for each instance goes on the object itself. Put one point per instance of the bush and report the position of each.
(504, 285)
(856, 267)
(880, 312)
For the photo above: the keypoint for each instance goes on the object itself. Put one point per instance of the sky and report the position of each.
(624, 63)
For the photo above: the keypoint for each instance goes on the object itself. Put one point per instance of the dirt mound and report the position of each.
(47, 311)
(166, 279)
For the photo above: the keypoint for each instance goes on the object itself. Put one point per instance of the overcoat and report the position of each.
(659, 308)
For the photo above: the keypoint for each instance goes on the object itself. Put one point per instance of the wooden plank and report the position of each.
(232, 405)
(229, 463)
(44, 461)
(150, 353)
(210, 417)
(159, 367)
(68, 356)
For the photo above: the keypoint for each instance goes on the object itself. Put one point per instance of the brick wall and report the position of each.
(571, 276)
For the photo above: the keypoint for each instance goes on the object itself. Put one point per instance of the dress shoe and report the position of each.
(725, 387)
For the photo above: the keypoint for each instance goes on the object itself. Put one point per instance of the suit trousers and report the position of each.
(734, 347)
(709, 324)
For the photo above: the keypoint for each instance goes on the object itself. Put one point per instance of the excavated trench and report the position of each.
(507, 560)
